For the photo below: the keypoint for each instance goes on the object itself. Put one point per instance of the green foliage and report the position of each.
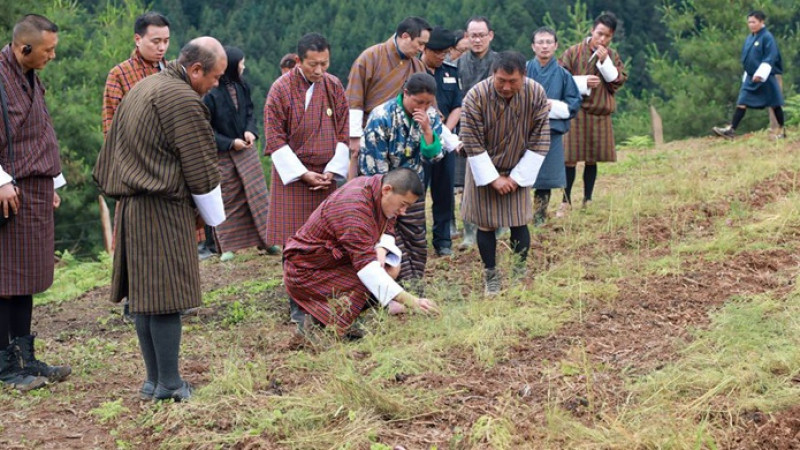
(109, 411)
(74, 278)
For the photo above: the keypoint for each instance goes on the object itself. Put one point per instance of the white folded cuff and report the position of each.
(393, 253)
(527, 169)
(356, 119)
(450, 141)
(288, 165)
(558, 110)
(744, 76)
(4, 177)
(340, 163)
(763, 71)
(483, 170)
(210, 206)
(608, 69)
(379, 283)
(59, 181)
(583, 84)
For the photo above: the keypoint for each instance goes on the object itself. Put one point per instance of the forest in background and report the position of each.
(682, 58)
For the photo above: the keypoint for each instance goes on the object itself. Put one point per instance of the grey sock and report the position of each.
(165, 330)
(146, 346)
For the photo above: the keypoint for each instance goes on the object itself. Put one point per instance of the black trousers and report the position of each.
(440, 177)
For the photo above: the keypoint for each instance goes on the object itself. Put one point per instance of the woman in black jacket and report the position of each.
(244, 189)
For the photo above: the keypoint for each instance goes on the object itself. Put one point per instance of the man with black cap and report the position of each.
(440, 175)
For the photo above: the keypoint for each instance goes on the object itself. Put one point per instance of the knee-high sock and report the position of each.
(146, 346)
(21, 316)
(737, 117)
(165, 330)
(521, 241)
(779, 115)
(570, 181)
(589, 177)
(5, 322)
(487, 247)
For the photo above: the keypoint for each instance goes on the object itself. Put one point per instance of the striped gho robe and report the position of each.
(503, 137)
(331, 265)
(244, 189)
(27, 240)
(377, 75)
(306, 130)
(159, 156)
(591, 135)
(392, 140)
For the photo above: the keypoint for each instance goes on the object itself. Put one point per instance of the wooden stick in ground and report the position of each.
(105, 222)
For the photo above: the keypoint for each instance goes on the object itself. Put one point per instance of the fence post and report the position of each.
(105, 222)
(658, 129)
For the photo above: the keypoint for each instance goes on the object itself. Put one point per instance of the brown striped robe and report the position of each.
(325, 255)
(26, 242)
(505, 129)
(312, 134)
(378, 75)
(591, 134)
(159, 150)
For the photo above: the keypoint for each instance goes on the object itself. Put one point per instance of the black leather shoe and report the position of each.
(183, 393)
(147, 390)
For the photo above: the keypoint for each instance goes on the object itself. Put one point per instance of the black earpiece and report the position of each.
(27, 49)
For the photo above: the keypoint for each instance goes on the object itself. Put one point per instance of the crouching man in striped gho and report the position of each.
(159, 160)
(346, 253)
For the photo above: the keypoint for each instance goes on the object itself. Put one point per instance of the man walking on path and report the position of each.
(761, 88)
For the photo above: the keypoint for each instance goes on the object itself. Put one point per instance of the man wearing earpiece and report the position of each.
(29, 165)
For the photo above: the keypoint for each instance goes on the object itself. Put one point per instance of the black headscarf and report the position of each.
(231, 74)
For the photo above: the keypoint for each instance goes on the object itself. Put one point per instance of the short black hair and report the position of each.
(419, 83)
(509, 61)
(192, 53)
(414, 26)
(314, 42)
(403, 180)
(758, 14)
(30, 25)
(288, 61)
(543, 30)
(608, 19)
(149, 18)
(483, 19)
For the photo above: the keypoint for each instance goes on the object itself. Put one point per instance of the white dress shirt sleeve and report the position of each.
(763, 71)
(288, 165)
(483, 170)
(340, 163)
(210, 206)
(379, 283)
(356, 119)
(527, 169)
(59, 181)
(558, 110)
(5, 178)
(608, 69)
(583, 84)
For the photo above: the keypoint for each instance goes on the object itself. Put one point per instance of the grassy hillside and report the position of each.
(666, 316)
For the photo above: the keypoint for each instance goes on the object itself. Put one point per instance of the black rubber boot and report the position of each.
(24, 347)
(13, 375)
